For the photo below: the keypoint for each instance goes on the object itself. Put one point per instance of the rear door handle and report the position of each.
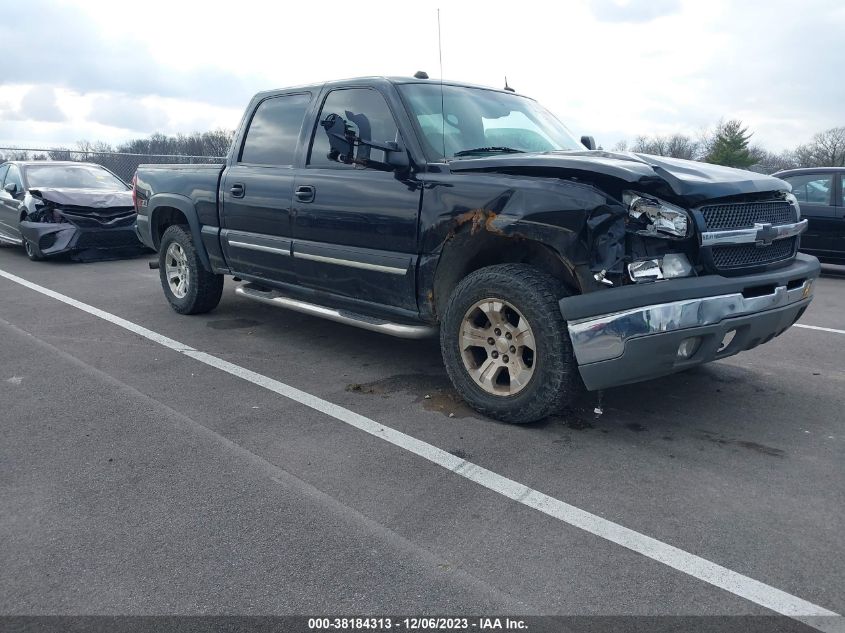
(305, 193)
(237, 190)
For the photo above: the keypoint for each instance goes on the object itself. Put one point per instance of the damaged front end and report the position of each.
(85, 224)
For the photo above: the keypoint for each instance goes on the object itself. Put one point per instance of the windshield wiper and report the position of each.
(484, 150)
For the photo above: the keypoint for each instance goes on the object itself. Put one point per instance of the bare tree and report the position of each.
(826, 149)
(674, 146)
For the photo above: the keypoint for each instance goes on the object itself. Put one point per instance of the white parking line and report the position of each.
(820, 329)
(690, 564)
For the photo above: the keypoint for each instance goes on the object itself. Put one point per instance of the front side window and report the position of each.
(73, 177)
(274, 130)
(366, 112)
(473, 121)
(811, 188)
(14, 176)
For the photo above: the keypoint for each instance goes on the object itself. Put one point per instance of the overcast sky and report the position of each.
(611, 68)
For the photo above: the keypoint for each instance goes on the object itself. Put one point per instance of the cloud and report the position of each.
(40, 104)
(71, 52)
(128, 113)
(633, 10)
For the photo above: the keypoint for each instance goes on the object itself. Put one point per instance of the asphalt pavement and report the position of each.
(136, 480)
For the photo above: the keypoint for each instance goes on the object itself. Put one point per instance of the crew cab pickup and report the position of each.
(411, 207)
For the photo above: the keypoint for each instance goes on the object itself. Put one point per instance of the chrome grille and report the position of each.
(742, 255)
(746, 214)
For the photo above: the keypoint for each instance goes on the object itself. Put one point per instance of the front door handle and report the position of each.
(305, 193)
(237, 190)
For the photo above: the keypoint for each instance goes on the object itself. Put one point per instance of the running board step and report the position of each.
(276, 298)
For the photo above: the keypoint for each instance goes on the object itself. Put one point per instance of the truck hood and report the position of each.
(691, 181)
(90, 198)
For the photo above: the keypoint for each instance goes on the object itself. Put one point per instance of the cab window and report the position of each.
(274, 131)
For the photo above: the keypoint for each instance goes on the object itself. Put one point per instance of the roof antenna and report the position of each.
(442, 108)
(507, 87)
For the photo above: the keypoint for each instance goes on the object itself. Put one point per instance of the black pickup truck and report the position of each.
(407, 206)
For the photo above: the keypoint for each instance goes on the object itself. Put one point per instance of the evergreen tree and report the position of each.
(729, 146)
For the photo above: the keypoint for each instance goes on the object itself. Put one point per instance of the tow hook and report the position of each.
(601, 277)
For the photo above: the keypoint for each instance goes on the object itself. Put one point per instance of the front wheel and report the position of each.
(505, 344)
(31, 251)
(188, 286)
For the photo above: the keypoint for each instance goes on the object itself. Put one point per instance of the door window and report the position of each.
(842, 190)
(811, 188)
(3, 170)
(274, 130)
(362, 108)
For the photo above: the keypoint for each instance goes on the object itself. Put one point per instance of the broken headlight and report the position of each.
(670, 266)
(653, 216)
(791, 199)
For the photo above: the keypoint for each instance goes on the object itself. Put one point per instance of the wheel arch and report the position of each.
(169, 209)
(469, 250)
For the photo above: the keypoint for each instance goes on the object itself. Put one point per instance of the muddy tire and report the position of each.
(505, 344)
(31, 250)
(188, 286)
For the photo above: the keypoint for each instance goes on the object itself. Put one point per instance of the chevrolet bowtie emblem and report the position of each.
(766, 234)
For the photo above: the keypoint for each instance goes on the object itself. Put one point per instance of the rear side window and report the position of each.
(811, 188)
(842, 189)
(274, 130)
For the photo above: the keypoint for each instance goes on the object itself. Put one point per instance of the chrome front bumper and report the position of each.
(642, 342)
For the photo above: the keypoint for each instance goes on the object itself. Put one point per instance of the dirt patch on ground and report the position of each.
(433, 391)
(232, 324)
(720, 439)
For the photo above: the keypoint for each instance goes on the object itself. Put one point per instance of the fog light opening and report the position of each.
(688, 347)
(726, 340)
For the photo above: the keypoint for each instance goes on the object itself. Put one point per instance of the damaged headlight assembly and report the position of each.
(669, 266)
(656, 217)
(652, 217)
(791, 199)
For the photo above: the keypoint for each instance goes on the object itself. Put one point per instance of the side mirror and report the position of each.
(589, 142)
(343, 141)
(341, 138)
(11, 188)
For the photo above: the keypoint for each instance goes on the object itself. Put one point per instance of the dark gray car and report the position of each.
(55, 207)
(821, 192)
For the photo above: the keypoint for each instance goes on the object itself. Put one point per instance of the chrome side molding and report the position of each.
(259, 247)
(276, 298)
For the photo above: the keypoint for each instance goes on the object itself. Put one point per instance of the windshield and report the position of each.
(480, 121)
(72, 177)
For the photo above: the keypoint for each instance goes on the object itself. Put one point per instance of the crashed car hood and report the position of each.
(691, 180)
(91, 198)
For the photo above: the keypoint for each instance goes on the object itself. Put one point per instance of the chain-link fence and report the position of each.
(124, 165)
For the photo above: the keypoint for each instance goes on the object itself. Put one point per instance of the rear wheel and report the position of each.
(188, 286)
(505, 344)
